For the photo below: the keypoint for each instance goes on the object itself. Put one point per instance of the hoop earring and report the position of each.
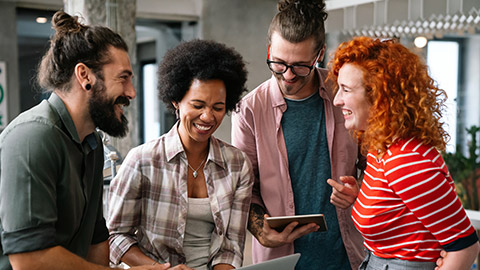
(88, 86)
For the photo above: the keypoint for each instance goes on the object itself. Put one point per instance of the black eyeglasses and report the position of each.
(280, 67)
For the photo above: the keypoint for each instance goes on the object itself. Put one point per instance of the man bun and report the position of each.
(316, 6)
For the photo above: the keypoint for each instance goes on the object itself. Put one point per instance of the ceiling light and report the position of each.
(420, 41)
(41, 20)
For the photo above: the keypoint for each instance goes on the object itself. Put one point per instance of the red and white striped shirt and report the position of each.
(407, 207)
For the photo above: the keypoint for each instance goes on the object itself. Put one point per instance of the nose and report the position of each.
(289, 75)
(207, 115)
(338, 101)
(130, 92)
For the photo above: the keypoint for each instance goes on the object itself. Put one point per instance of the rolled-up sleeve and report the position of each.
(28, 211)
(124, 210)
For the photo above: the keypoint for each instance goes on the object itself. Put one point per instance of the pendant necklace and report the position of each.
(195, 172)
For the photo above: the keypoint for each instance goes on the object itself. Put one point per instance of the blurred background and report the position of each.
(446, 33)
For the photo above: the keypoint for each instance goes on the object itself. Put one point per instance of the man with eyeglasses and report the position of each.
(299, 148)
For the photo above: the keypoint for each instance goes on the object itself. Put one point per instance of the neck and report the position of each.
(193, 149)
(77, 106)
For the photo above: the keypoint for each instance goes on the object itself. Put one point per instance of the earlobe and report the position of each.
(175, 105)
(83, 75)
(322, 54)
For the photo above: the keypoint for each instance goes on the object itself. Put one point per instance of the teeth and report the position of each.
(347, 112)
(205, 128)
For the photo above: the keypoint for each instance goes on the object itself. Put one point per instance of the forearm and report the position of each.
(99, 253)
(134, 256)
(255, 220)
(223, 266)
(55, 258)
(462, 259)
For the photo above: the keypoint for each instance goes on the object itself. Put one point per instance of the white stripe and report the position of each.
(418, 146)
(405, 145)
(408, 243)
(417, 184)
(407, 165)
(375, 215)
(428, 151)
(438, 210)
(400, 156)
(393, 229)
(375, 178)
(413, 174)
(376, 188)
(397, 236)
(374, 168)
(379, 206)
(379, 198)
(380, 223)
(423, 194)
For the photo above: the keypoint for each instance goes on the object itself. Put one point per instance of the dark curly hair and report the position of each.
(406, 101)
(203, 60)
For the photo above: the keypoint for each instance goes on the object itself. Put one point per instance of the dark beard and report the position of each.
(102, 111)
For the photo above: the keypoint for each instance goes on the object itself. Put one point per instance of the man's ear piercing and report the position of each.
(88, 86)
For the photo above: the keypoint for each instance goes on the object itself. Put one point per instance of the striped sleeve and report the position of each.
(420, 178)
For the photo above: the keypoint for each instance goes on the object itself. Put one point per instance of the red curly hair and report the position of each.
(405, 100)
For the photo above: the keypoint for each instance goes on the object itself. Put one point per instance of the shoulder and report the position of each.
(31, 131)
(258, 96)
(230, 154)
(410, 151)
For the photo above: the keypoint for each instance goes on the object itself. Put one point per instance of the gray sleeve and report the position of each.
(29, 164)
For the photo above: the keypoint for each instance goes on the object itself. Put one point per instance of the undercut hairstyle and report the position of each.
(405, 100)
(299, 20)
(75, 43)
(202, 60)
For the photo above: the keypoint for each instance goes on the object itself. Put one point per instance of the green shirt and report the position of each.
(50, 184)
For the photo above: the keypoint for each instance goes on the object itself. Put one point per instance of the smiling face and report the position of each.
(301, 53)
(201, 111)
(111, 93)
(352, 97)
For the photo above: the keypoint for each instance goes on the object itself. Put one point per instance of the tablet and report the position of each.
(279, 223)
(283, 263)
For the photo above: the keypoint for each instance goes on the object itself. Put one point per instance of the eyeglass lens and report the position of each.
(281, 68)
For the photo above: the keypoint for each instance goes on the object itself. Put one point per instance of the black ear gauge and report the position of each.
(88, 86)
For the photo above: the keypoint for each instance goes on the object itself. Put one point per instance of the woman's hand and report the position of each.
(461, 259)
(344, 196)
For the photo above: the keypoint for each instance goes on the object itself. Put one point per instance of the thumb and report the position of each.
(348, 180)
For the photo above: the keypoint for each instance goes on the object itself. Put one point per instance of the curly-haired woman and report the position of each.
(184, 198)
(407, 208)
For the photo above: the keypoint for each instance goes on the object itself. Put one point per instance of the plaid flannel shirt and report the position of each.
(148, 201)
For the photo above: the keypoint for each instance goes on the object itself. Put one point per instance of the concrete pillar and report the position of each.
(119, 15)
(243, 25)
(9, 55)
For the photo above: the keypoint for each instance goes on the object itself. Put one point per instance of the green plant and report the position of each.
(465, 171)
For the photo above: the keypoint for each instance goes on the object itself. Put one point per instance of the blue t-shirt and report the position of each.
(304, 130)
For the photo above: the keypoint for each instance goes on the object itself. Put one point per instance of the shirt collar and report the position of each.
(277, 97)
(57, 103)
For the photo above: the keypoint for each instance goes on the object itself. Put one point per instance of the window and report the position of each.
(443, 62)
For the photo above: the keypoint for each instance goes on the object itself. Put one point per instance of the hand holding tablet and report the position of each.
(279, 223)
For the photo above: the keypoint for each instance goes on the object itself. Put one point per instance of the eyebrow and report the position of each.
(201, 101)
(303, 63)
(127, 72)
